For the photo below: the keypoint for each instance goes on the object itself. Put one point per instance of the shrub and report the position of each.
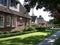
(41, 28)
(30, 29)
(5, 32)
(9, 35)
(15, 31)
(0, 32)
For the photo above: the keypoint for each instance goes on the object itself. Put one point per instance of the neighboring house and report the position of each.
(50, 24)
(41, 22)
(38, 21)
(13, 16)
(33, 22)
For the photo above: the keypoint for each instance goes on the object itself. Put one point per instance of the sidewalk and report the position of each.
(50, 40)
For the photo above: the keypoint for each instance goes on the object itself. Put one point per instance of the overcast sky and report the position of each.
(39, 12)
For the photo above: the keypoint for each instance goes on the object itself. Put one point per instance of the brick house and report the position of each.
(13, 16)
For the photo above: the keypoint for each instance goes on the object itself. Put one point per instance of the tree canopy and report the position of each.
(50, 5)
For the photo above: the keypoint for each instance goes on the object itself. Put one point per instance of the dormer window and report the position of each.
(11, 3)
(3, 2)
(14, 3)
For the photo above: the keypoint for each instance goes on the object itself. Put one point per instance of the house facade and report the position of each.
(41, 22)
(13, 16)
(38, 21)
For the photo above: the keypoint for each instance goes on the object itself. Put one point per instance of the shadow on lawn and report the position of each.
(32, 40)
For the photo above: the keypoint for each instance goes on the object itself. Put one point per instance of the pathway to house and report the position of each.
(50, 40)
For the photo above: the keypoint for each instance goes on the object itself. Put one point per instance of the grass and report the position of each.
(26, 39)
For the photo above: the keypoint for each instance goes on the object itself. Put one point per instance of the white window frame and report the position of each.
(17, 8)
(3, 22)
(6, 2)
(13, 21)
(9, 21)
(2, 4)
(20, 21)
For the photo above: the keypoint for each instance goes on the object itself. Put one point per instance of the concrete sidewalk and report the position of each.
(50, 40)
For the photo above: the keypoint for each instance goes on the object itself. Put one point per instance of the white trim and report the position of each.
(9, 21)
(3, 4)
(13, 21)
(15, 9)
(8, 25)
(3, 22)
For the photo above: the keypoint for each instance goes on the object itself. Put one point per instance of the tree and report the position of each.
(50, 5)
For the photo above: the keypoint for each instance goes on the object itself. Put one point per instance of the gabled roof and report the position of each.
(40, 17)
(33, 18)
(41, 20)
(17, 0)
(28, 16)
(23, 11)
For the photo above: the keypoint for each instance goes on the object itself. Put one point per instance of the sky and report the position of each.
(39, 12)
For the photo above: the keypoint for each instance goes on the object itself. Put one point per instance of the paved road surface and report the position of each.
(50, 40)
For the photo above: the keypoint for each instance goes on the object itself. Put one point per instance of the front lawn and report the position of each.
(26, 39)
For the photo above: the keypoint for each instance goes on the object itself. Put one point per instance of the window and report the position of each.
(13, 21)
(1, 21)
(14, 3)
(20, 21)
(8, 21)
(3, 2)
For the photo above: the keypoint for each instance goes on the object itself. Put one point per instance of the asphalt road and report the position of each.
(50, 40)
